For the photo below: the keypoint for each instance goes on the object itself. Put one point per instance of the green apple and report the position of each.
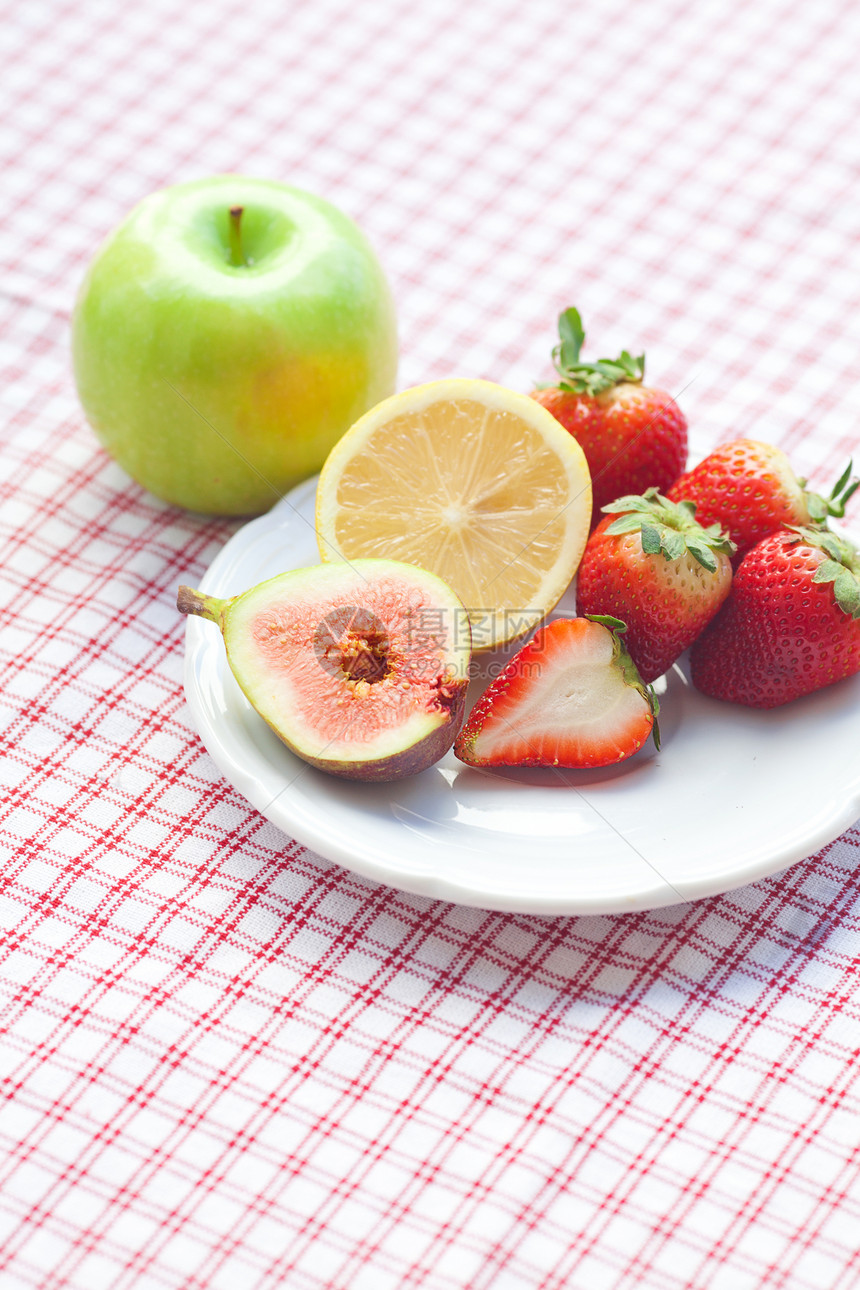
(226, 335)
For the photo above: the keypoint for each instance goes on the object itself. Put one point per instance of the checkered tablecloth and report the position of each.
(227, 1063)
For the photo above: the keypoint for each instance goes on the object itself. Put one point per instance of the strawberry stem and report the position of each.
(578, 377)
(820, 508)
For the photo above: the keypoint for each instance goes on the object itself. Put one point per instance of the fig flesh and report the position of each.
(361, 669)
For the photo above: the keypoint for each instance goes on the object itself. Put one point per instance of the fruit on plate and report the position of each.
(790, 626)
(570, 697)
(361, 669)
(471, 480)
(651, 564)
(633, 437)
(226, 335)
(750, 488)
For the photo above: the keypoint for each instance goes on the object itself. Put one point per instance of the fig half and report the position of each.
(361, 669)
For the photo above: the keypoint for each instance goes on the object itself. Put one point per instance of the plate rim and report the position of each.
(360, 858)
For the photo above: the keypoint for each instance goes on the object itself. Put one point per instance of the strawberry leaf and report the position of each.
(616, 625)
(703, 553)
(817, 507)
(830, 543)
(846, 589)
(651, 695)
(634, 502)
(625, 524)
(668, 528)
(572, 335)
(842, 568)
(674, 544)
(828, 571)
(842, 481)
(634, 367)
(651, 543)
(847, 592)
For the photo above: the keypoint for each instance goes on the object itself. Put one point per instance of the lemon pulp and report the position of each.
(474, 482)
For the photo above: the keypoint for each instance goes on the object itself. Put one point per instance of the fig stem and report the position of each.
(236, 256)
(189, 601)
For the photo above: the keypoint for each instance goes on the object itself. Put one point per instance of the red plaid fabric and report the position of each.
(226, 1061)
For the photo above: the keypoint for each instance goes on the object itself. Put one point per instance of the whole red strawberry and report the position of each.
(652, 565)
(750, 488)
(570, 697)
(633, 437)
(790, 626)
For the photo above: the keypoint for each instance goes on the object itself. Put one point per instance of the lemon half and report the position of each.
(472, 481)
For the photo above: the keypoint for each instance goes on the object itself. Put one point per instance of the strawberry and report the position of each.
(790, 626)
(633, 437)
(651, 564)
(750, 488)
(570, 697)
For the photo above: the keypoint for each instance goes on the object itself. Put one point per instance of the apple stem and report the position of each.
(189, 601)
(236, 256)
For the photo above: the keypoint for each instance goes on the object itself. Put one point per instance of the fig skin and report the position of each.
(421, 756)
(418, 691)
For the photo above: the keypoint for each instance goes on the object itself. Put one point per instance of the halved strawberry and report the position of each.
(633, 436)
(751, 489)
(651, 564)
(570, 697)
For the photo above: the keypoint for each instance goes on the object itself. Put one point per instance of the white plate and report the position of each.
(733, 795)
